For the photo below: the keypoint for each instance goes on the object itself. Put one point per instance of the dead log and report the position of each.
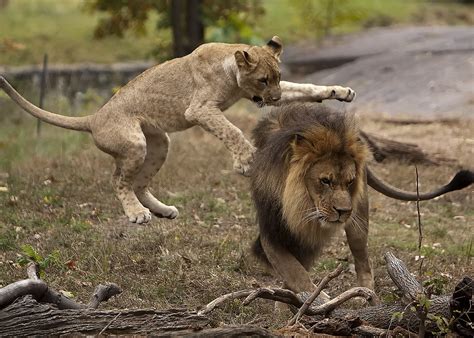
(386, 149)
(27, 317)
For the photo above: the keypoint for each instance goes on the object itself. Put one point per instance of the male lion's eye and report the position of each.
(263, 80)
(325, 181)
(350, 183)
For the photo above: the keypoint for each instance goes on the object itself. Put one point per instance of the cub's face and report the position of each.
(259, 73)
(330, 184)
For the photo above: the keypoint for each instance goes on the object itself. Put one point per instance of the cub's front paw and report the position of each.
(243, 160)
(139, 216)
(343, 93)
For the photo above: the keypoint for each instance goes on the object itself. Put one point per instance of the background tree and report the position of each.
(190, 20)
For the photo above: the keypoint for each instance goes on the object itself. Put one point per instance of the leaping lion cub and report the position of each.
(176, 95)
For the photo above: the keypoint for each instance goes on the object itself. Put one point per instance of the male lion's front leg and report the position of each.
(357, 232)
(309, 92)
(212, 120)
(287, 267)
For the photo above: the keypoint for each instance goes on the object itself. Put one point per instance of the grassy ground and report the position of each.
(59, 200)
(28, 29)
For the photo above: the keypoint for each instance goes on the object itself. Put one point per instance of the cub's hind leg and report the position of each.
(157, 150)
(128, 147)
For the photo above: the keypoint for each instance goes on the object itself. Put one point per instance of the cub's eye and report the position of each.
(263, 81)
(325, 181)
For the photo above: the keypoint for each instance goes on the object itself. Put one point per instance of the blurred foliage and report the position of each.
(28, 29)
(230, 21)
(321, 16)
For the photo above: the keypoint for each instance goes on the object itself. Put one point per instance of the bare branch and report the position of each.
(402, 278)
(103, 293)
(366, 293)
(315, 294)
(9, 293)
(32, 271)
(276, 294)
(229, 296)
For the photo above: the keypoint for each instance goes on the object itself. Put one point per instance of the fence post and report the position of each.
(44, 75)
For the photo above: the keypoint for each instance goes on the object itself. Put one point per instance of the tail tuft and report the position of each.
(461, 180)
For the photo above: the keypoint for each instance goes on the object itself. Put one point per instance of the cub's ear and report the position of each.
(275, 47)
(244, 60)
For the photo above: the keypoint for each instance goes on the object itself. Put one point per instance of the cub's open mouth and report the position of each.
(258, 101)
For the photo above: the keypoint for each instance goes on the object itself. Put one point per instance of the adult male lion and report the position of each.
(193, 90)
(309, 180)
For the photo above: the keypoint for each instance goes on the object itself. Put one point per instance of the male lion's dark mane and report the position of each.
(273, 137)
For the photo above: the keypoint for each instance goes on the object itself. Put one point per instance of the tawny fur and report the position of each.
(133, 125)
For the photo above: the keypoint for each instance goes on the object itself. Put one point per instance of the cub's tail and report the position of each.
(463, 179)
(68, 122)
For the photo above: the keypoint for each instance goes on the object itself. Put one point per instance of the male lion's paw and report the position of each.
(140, 217)
(343, 93)
(243, 161)
(171, 212)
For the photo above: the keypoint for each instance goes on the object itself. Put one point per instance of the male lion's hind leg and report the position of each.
(157, 150)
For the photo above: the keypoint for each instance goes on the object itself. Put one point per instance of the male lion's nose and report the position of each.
(343, 211)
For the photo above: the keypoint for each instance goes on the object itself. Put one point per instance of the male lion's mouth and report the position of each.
(258, 101)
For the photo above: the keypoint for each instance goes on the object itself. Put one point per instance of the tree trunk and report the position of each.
(187, 26)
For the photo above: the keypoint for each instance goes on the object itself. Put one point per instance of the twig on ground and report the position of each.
(315, 294)
(219, 300)
(327, 307)
(420, 230)
(109, 323)
(276, 294)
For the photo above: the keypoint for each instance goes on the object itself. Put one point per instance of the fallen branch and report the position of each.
(276, 294)
(315, 294)
(40, 291)
(376, 318)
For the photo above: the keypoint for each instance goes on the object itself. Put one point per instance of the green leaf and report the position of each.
(32, 254)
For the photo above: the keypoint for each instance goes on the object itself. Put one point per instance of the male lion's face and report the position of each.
(330, 184)
(259, 73)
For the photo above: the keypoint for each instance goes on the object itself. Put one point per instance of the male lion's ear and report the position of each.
(275, 47)
(244, 60)
(300, 141)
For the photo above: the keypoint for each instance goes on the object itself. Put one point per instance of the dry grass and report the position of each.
(64, 202)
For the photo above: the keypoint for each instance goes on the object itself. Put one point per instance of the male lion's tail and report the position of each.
(68, 122)
(461, 180)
